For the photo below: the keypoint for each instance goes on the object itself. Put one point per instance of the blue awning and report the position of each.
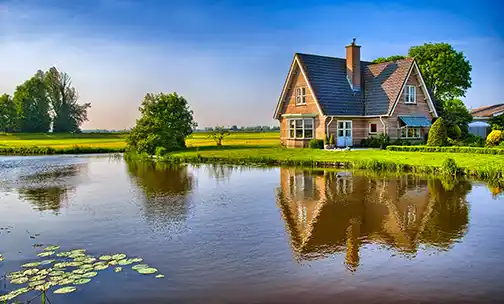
(416, 121)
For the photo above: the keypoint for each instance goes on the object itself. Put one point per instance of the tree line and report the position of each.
(47, 101)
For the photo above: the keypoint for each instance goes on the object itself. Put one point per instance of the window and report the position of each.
(300, 96)
(410, 132)
(301, 128)
(373, 128)
(410, 94)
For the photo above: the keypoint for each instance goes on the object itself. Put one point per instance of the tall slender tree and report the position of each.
(8, 114)
(68, 115)
(32, 105)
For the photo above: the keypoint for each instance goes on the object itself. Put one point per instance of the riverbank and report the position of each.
(488, 167)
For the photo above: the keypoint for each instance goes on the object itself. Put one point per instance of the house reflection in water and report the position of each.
(327, 213)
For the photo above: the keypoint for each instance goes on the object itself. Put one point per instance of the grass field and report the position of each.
(262, 148)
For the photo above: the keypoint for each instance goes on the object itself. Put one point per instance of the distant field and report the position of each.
(117, 140)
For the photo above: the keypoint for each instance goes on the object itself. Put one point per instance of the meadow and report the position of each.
(260, 148)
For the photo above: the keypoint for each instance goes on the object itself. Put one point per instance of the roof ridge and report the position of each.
(398, 60)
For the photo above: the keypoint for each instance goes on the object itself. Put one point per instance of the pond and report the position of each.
(242, 235)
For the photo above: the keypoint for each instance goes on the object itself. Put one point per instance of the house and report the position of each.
(480, 126)
(352, 100)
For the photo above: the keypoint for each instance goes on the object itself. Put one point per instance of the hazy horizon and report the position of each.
(229, 59)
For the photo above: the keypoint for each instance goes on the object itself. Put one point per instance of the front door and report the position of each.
(344, 133)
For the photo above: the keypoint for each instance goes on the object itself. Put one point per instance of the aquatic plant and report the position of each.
(68, 270)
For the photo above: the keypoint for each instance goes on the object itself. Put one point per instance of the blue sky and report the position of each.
(228, 58)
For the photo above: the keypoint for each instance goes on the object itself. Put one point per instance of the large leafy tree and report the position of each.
(165, 121)
(446, 72)
(387, 59)
(68, 113)
(32, 105)
(456, 113)
(8, 114)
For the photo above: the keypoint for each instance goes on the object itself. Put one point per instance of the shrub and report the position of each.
(449, 167)
(331, 140)
(473, 141)
(454, 131)
(494, 138)
(454, 149)
(316, 143)
(160, 151)
(437, 133)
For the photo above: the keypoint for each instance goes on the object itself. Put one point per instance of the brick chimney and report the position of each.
(353, 65)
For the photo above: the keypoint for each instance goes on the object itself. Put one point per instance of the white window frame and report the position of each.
(410, 96)
(300, 96)
(404, 130)
(289, 127)
(371, 132)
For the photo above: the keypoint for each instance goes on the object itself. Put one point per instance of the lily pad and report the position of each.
(101, 267)
(29, 265)
(118, 269)
(19, 281)
(159, 276)
(105, 257)
(136, 260)
(112, 262)
(45, 287)
(65, 282)
(78, 251)
(56, 279)
(36, 283)
(77, 255)
(63, 254)
(125, 262)
(82, 281)
(15, 274)
(11, 295)
(31, 271)
(65, 290)
(91, 274)
(47, 262)
(46, 254)
(52, 248)
(80, 271)
(86, 266)
(119, 256)
(1, 258)
(140, 266)
(37, 278)
(89, 260)
(146, 270)
(56, 273)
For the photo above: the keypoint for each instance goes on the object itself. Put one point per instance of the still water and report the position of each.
(225, 234)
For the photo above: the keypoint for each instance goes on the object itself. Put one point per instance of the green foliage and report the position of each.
(449, 167)
(68, 114)
(160, 151)
(495, 138)
(446, 72)
(218, 134)
(453, 149)
(387, 59)
(453, 132)
(8, 114)
(32, 105)
(497, 122)
(331, 140)
(380, 141)
(165, 121)
(456, 113)
(437, 133)
(316, 143)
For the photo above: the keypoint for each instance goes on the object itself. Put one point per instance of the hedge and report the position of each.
(475, 150)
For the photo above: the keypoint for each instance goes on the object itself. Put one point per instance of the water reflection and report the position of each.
(51, 188)
(327, 212)
(165, 188)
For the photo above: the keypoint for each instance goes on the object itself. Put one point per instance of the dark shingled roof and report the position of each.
(380, 84)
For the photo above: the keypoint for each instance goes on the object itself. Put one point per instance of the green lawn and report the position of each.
(105, 140)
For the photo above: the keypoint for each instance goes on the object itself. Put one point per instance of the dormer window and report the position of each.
(301, 96)
(410, 94)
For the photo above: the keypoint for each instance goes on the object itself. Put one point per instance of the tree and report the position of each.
(8, 114)
(437, 133)
(234, 128)
(218, 135)
(456, 113)
(497, 122)
(32, 105)
(446, 72)
(387, 59)
(68, 114)
(165, 121)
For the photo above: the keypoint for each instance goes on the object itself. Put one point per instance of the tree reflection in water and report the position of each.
(166, 188)
(327, 213)
(51, 189)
